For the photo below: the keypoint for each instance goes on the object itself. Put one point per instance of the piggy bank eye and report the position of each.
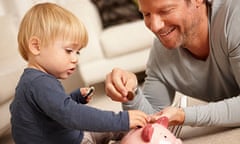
(165, 136)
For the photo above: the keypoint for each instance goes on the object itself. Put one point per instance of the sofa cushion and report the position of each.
(117, 11)
(125, 38)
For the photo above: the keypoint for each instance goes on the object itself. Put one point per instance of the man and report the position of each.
(197, 53)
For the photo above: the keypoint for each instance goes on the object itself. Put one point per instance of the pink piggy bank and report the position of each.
(156, 133)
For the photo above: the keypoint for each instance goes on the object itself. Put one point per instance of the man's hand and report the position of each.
(118, 83)
(175, 115)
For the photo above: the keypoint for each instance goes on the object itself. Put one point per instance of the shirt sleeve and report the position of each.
(222, 113)
(50, 96)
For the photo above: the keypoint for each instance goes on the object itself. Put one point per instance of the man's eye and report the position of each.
(166, 11)
(146, 14)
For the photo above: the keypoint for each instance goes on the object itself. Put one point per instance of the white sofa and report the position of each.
(11, 68)
(126, 46)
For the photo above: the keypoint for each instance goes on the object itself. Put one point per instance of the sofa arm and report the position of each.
(12, 66)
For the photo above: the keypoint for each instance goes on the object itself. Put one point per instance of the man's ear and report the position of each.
(34, 45)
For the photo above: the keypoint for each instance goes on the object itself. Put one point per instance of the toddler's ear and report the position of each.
(34, 45)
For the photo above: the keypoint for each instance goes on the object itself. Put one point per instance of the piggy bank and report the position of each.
(152, 133)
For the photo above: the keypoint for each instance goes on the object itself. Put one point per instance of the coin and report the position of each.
(130, 95)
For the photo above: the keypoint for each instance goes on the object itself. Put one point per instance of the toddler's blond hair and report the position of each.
(48, 21)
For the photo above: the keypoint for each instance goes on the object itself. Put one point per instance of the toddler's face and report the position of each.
(59, 59)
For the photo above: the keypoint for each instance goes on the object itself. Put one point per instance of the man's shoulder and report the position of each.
(217, 5)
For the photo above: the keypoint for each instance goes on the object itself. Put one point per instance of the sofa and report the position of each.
(124, 45)
(11, 68)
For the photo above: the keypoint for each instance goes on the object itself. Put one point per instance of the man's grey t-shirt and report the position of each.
(215, 79)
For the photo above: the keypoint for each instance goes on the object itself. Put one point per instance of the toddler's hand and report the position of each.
(87, 93)
(137, 118)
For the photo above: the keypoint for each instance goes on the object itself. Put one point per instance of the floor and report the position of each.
(101, 101)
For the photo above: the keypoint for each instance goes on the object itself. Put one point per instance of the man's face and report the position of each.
(174, 22)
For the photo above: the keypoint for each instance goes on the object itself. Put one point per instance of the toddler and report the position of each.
(50, 38)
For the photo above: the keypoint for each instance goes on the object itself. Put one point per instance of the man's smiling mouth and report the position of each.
(165, 33)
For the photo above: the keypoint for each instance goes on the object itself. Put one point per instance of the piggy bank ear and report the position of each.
(147, 133)
(163, 121)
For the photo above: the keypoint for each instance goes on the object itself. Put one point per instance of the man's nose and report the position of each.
(156, 23)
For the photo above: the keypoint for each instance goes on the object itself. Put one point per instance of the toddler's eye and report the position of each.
(68, 50)
(78, 52)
